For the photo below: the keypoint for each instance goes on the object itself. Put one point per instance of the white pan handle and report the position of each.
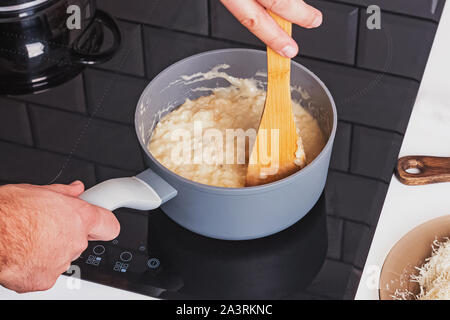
(146, 191)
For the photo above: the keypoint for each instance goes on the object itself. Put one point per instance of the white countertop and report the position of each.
(428, 133)
(66, 289)
(405, 207)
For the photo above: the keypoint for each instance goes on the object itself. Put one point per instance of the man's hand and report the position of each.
(253, 15)
(43, 229)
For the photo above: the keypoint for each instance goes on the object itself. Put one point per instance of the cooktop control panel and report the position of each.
(126, 261)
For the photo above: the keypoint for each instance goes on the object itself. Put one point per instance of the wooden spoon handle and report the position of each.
(429, 170)
(283, 23)
(277, 65)
(274, 158)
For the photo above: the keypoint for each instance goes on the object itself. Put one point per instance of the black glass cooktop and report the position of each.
(84, 130)
(155, 256)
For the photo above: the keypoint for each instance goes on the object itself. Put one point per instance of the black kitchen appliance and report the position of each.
(47, 42)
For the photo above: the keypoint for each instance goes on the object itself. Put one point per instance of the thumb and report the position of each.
(101, 223)
(74, 189)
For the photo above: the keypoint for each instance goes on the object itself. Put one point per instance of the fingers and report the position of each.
(73, 190)
(101, 224)
(255, 18)
(296, 11)
(253, 15)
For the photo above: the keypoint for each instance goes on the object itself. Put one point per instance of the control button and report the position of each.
(126, 256)
(142, 248)
(93, 260)
(115, 241)
(153, 263)
(121, 267)
(99, 250)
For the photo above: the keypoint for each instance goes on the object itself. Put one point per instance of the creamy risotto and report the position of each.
(236, 107)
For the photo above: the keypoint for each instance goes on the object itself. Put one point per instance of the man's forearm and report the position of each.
(3, 228)
(14, 231)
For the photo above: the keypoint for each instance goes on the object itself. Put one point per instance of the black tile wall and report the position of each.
(224, 25)
(130, 58)
(429, 9)
(377, 150)
(335, 227)
(183, 15)
(97, 140)
(352, 284)
(14, 124)
(106, 173)
(354, 236)
(367, 97)
(161, 52)
(113, 97)
(337, 34)
(355, 198)
(363, 250)
(42, 167)
(68, 96)
(341, 148)
(332, 280)
(400, 47)
(51, 136)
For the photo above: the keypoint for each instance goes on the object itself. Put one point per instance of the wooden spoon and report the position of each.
(426, 170)
(273, 155)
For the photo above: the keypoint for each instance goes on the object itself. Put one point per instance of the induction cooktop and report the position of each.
(156, 257)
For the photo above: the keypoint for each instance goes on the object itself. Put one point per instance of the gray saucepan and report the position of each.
(222, 213)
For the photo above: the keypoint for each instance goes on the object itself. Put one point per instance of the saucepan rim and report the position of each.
(249, 190)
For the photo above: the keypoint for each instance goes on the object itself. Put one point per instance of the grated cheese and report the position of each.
(434, 275)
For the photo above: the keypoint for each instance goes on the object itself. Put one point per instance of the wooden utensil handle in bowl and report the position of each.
(423, 170)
